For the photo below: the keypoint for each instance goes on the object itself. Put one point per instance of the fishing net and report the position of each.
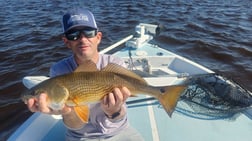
(212, 96)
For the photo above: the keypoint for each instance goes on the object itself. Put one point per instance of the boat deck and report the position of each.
(157, 125)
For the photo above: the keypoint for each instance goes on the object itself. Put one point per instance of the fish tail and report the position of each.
(169, 97)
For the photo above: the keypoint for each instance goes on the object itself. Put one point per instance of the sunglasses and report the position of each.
(76, 34)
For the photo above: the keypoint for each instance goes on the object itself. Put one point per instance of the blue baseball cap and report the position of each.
(78, 18)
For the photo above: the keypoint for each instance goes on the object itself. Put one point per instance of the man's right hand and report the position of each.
(39, 104)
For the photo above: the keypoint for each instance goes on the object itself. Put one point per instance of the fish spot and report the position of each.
(162, 90)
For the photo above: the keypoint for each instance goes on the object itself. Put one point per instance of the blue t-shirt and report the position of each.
(99, 125)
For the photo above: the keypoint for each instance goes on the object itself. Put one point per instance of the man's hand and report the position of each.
(39, 104)
(114, 101)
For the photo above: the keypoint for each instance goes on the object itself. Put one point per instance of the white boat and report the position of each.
(160, 67)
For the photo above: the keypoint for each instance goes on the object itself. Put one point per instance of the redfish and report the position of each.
(88, 85)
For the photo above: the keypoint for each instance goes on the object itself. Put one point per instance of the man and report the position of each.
(108, 120)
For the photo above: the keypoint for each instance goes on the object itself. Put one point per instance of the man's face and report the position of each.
(83, 43)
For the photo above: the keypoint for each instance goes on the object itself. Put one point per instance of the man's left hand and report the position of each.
(114, 101)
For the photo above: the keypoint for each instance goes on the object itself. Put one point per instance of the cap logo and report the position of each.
(80, 17)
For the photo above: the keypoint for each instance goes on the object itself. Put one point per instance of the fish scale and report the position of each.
(99, 84)
(74, 83)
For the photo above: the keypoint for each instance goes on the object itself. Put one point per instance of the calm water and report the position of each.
(214, 33)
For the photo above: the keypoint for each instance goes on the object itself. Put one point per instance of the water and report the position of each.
(214, 33)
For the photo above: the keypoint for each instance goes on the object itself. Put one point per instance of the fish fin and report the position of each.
(170, 96)
(117, 69)
(82, 112)
(87, 66)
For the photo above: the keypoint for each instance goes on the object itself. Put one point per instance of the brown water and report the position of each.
(214, 33)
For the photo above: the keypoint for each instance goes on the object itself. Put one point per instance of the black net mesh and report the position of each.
(211, 96)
